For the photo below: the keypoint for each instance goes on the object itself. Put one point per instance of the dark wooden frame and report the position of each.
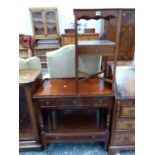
(29, 89)
(96, 14)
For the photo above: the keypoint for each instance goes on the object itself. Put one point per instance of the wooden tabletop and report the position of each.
(125, 82)
(27, 76)
(67, 87)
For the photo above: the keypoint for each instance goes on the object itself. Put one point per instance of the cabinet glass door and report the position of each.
(37, 18)
(51, 22)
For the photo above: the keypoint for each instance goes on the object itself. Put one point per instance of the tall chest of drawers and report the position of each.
(123, 125)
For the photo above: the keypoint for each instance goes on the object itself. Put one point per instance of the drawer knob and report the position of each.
(93, 137)
(57, 137)
(99, 101)
(74, 101)
(47, 102)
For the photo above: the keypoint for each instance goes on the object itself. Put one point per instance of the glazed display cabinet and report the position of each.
(44, 23)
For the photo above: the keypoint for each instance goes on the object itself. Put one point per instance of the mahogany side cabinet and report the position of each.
(65, 116)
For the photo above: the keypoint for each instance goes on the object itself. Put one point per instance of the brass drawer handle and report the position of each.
(57, 137)
(74, 102)
(47, 102)
(100, 101)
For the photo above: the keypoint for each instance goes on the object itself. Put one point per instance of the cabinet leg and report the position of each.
(112, 152)
(45, 146)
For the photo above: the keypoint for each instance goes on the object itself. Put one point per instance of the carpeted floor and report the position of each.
(75, 149)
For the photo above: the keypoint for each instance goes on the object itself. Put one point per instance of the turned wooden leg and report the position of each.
(111, 152)
(45, 146)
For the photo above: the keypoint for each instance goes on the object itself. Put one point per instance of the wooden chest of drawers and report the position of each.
(123, 125)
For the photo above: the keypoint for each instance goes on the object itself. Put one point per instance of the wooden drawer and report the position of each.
(76, 102)
(42, 58)
(126, 108)
(125, 124)
(70, 137)
(124, 103)
(96, 50)
(41, 52)
(127, 111)
(102, 102)
(94, 37)
(123, 138)
(68, 40)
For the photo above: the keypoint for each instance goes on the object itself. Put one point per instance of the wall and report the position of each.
(65, 13)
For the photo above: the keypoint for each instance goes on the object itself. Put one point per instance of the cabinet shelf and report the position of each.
(69, 125)
(72, 121)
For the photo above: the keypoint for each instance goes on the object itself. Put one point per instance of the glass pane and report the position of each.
(51, 22)
(38, 23)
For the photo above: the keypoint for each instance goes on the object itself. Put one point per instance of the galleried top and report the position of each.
(94, 14)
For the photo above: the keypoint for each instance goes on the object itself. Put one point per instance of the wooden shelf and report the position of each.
(72, 120)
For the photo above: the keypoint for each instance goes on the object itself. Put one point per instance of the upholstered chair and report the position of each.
(61, 63)
(32, 63)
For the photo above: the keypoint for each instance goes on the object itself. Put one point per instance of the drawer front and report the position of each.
(124, 103)
(96, 50)
(68, 40)
(125, 124)
(94, 37)
(102, 102)
(53, 103)
(76, 102)
(40, 52)
(123, 138)
(126, 108)
(42, 58)
(73, 138)
(127, 111)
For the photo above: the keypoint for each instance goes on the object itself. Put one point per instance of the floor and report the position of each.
(75, 149)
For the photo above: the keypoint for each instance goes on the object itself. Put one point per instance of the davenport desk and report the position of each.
(123, 120)
(65, 116)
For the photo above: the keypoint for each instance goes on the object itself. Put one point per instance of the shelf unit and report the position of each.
(41, 50)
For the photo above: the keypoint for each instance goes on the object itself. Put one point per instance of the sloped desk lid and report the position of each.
(125, 82)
